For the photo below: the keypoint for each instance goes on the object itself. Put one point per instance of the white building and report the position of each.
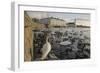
(82, 22)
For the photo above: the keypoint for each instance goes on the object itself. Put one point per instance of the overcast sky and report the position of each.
(65, 16)
(70, 16)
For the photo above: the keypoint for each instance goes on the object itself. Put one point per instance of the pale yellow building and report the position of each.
(57, 22)
(82, 22)
(53, 22)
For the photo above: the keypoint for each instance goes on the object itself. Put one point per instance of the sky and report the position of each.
(39, 15)
(68, 17)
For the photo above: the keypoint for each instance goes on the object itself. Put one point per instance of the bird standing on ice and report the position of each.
(46, 49)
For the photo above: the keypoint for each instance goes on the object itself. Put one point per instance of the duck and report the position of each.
(45, 49)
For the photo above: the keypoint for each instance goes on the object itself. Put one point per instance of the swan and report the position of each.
(45, 49)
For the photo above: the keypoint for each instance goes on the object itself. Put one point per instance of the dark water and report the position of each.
(78, 49)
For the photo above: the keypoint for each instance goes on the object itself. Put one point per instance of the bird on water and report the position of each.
(45, 49)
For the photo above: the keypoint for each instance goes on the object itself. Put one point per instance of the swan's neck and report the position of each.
(47, 40)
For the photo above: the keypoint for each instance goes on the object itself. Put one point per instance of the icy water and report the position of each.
(86, 31)
(76, 50)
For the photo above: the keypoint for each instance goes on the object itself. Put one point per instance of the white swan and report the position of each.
(46, 49)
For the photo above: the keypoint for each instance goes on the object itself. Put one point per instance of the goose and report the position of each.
(45, 49)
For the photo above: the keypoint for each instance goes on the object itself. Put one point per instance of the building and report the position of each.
(27, 37)
(79, 23)
(29, 26)
(82, 22)
(53, 22)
